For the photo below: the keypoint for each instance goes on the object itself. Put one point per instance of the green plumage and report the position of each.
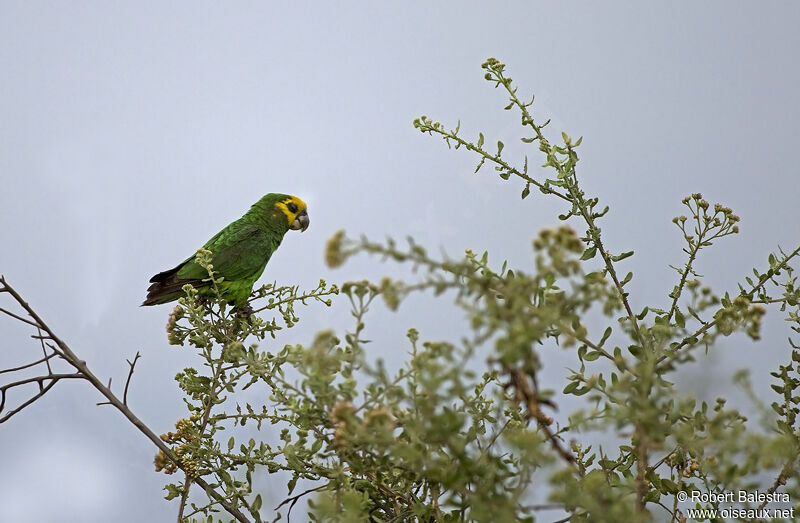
(240, 252)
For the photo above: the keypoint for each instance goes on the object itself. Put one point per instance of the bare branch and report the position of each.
(84, 373)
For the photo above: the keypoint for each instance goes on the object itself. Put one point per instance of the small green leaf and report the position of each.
(589, 253)
(591, 356)
(173, 491)
(622, 256)
(606, 334)
(500, 146)
(653, 496)
(680, 320)
(635, 350)
(725, 300)
(526, 191)
(480, 140)
(581, 392)
(291, 484)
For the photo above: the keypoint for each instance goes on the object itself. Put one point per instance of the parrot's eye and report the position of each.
(292, 207)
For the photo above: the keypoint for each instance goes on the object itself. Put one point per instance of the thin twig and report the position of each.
(130, 375)
(550, 506)
(295, 499)
(642, 483)
(684, 275)
(44, 351)
(779, 481)
(39, 379)
(568, 518)
(20, 318)
(52, 378)
(47, 357)
(661, 461)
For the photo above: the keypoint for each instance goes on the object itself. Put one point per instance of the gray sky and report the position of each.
(132, 132)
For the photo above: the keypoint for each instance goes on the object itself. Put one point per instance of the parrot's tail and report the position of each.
(167, 287)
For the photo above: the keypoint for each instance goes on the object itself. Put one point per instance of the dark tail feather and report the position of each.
(166, 287)
(164, 276)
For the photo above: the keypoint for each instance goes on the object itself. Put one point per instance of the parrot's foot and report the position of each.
(245, 311)
(202, 300)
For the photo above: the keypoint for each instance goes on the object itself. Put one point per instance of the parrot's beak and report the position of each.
(301, 222)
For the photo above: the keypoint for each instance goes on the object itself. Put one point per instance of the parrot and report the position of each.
(239, 253)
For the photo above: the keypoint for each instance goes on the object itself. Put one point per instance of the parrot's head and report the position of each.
(295, 210)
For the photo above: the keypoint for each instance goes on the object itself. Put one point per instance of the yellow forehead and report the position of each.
(283, 205)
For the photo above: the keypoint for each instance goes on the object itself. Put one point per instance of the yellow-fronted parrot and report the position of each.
(240, 252)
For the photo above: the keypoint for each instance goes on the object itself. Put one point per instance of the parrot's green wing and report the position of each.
(239, 254)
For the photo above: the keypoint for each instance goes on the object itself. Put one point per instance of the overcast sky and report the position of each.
(133, 131)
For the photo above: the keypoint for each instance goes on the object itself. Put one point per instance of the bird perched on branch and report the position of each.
(239, 253)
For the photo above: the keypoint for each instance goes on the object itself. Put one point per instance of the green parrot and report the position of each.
(240, 252)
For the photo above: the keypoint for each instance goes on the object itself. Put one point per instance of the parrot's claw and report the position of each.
(246, 312)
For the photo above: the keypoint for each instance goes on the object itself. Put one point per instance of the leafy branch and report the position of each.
(707, 227)
(520, 312)
(561, 158)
